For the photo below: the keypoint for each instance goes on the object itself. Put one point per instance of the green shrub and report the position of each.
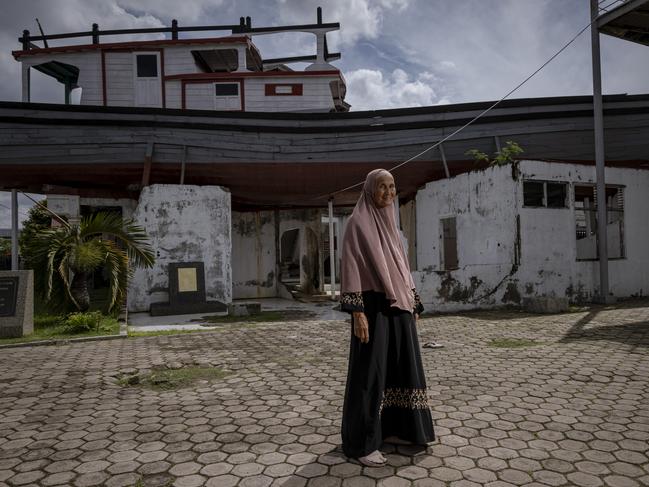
(82, 322)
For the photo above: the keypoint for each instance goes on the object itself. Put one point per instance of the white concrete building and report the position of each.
(496, 236)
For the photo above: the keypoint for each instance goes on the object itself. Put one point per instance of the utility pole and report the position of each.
(598, 116)
(14, 230)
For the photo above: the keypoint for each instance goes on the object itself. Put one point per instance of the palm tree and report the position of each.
(73, 251)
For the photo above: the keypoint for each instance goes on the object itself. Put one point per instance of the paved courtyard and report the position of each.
(571, 409)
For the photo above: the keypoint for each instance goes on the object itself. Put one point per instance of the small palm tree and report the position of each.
(72, 252)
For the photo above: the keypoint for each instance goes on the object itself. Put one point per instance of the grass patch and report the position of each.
(57, 327)
(513, 343)
(140, 483)
(172, 379)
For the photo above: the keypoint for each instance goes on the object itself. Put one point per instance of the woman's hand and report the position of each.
(416, 318)
(361, 327)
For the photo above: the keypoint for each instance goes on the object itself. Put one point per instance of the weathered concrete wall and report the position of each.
(253, 255)
(185, 224)
(507, 252)
(484, 204)
(550, 236)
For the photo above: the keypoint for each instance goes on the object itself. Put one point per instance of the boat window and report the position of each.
(226, 89)
(147, 66)
(217, 60)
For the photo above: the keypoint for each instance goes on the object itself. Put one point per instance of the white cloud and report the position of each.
(369, 89)
(359, 19)
(188, 10)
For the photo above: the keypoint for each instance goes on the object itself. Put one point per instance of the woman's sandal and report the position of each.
(374, 459)
(433, 345)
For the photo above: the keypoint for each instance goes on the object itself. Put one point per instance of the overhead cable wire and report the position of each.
(59, 218)
(480, 115)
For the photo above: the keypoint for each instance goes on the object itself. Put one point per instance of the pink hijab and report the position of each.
(373, 257)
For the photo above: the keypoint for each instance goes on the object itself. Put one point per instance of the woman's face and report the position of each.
(385, 191)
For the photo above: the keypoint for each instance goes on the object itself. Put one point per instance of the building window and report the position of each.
(586, 222)
(147, 66)
(448, 237)
(545, 194)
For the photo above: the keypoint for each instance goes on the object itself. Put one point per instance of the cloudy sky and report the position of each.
(395, 53)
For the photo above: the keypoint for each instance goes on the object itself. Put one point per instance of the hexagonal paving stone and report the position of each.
(552, 417)
(446, 474)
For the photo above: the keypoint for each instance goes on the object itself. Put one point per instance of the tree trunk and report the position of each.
(79, 290)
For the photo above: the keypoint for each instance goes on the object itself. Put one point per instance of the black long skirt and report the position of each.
(386, 388)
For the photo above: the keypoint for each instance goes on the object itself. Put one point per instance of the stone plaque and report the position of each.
(186, 292)
(16, 303)
(187, 281)
(8, 295)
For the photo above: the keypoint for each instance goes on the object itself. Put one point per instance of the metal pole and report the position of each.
(26, 84)
(182, 167)
(443, 154)
(598, 114)
(332, 262)
(14, 230)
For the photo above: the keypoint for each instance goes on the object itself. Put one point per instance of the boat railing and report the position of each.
(243, 27)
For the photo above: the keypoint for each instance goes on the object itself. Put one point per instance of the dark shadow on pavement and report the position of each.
(634, 334)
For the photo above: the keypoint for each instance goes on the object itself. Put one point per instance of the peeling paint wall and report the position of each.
(484, 205)
(507, 252)
(185, 224)
(253, 255)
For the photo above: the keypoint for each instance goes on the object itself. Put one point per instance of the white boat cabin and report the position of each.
(217, 73)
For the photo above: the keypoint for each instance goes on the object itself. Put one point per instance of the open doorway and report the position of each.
(290, 256)
(311, 263)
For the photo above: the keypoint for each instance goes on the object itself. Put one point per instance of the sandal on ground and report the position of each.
(433, 345)
(374, 459)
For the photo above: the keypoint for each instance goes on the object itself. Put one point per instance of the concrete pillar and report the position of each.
(184, 224)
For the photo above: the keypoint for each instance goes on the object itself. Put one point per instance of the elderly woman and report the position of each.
(385, 397)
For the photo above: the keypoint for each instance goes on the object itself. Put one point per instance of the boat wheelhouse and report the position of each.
(213, 73)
